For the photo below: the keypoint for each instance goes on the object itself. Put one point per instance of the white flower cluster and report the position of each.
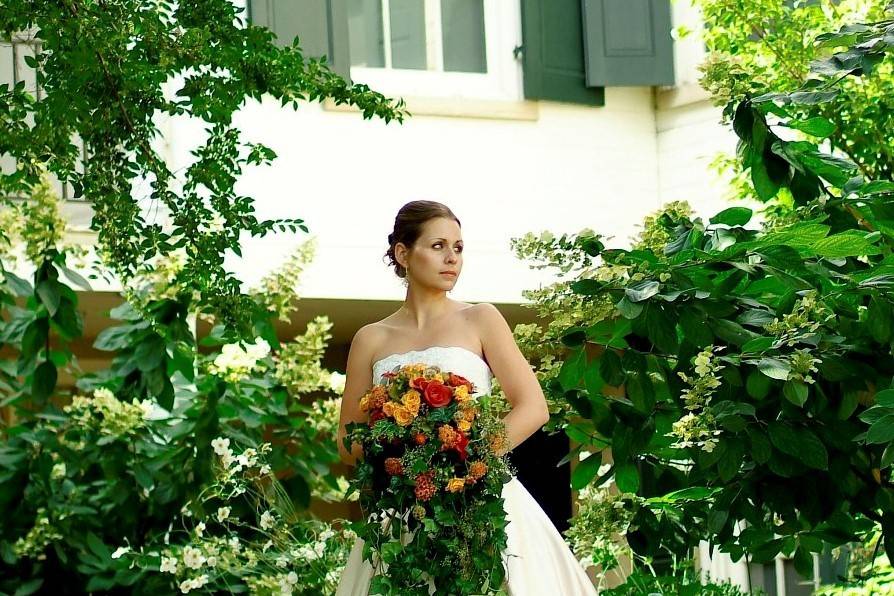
(193, 583)
(235, 363)
(698, 427)
(337, 382)
(108, 414)
(233, 464)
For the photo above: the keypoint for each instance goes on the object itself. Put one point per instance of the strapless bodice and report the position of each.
(456, 359)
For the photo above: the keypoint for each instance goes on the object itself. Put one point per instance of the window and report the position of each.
(436, 47)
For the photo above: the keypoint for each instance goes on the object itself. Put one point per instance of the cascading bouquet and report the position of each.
(430, 484)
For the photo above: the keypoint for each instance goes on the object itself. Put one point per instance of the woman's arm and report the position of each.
(519, 383)
(358, 380)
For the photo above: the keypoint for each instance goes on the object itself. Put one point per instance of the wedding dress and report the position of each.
(537, 560)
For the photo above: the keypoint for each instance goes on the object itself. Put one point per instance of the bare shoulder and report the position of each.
(485, 312)
(488, 320)
(368, 336)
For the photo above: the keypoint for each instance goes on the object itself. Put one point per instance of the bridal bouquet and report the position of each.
(432, 480)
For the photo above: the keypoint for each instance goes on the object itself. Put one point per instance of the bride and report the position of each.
(474, 341)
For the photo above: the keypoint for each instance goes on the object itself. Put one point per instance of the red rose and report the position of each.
(419, 383)
(461, 444)
(437, 394)
(457, 380)
(375, 416)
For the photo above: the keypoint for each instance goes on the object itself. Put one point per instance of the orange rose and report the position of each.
(437, 394)
(388, 408)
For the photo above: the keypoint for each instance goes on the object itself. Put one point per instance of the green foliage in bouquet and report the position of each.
(743, 375)
(430, 483)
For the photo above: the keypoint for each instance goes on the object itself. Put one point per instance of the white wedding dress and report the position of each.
(537, 560)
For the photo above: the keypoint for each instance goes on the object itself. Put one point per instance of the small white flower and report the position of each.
(103, 393)
(326, 534)
(267, 546)
(120, 551)
(186, 586)
(58, 471)
(220, 445)
(282, 561)
(234, 544)
(200, 527)
(200, 581)
(193, 557)
(265, 470)
(212, 561)
(168, 565)
(223, 513)
(292, 578)
(337, 383)
(266, 520)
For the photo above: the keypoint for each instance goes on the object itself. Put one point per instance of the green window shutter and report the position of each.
(553, 52)
(628, 42)
(321, 27)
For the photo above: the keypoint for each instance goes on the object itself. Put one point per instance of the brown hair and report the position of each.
(408, 226)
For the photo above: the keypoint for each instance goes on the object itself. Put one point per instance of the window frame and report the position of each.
(502, 81)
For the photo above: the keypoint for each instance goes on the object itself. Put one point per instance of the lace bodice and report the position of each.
(456, 359)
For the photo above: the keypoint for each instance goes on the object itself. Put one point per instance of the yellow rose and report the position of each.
(438, 377)
(402, 415)
(461, 393)
(364, 403)
(388, 408)
(455, 485)
(412, 401)
(464, 425)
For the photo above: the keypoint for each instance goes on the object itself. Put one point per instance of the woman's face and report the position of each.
(437, 251)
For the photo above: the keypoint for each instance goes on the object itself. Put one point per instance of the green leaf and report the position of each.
(642, 291)
(16, 284)
(758, 385)
(573, 337)
(816, 126)
(760, 446)
(49, 295)
(626, 477)
(610, 368)
(885, 397)
(796, 392)
(734, 216)
(586, 470)
(44, 381)
(800, 443)
(731, 332)
(881, 431)
(774, 368)
(850, 243)
(628, 309)
(880, 320)
(76, 278)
